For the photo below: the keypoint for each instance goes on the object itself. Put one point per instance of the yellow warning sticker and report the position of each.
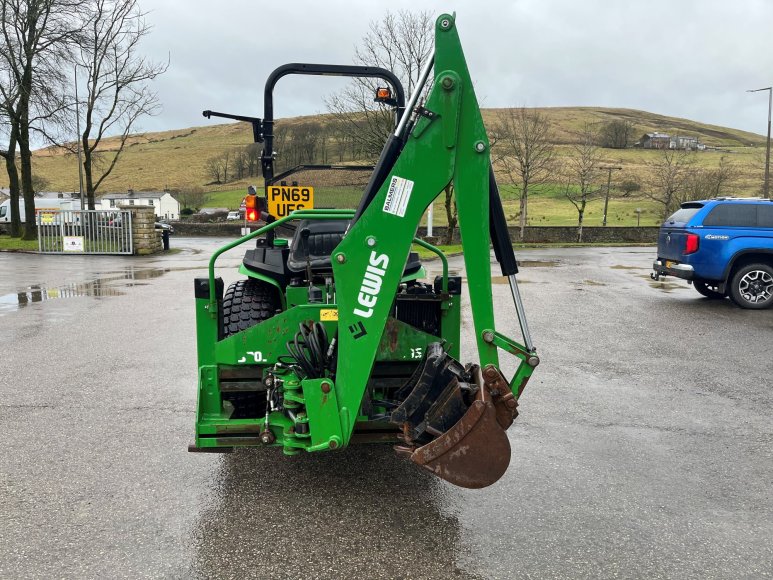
(328, 315)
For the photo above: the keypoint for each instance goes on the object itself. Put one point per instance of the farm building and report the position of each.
(163, 203)
(655, 141)
(689, 143)
(666, 141)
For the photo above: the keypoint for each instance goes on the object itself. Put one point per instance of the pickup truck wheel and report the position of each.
(246, 303)
(752, 287)
(708, 290)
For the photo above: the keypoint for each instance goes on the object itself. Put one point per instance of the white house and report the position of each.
(164, 204)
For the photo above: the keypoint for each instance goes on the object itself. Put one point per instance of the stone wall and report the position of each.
(645, 235)
(220, 229)
(147, 239)
(536, 235)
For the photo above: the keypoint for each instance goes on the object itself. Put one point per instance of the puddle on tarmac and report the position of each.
(664, 286)
(108, 284)
(537, 263)
(621, 267)
(504, 280)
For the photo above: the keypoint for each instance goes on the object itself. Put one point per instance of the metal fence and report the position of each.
(85, 232)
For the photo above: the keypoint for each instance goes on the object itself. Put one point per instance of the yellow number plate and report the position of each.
(670, 264)
(285, 199)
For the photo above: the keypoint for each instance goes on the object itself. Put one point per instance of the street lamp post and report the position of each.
(609, 184)
(765, 191)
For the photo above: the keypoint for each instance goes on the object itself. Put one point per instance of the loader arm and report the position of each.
(448, 144)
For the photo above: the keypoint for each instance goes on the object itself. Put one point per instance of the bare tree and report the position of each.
(668, 174)
(629, 187)
(401, 42)
(9, 155)
(35, 38)
(723, 177)
(214, 168)
(117, 93)
(616, 134)
(191, 197)
(253, 158)
(582, 172)
(225, 160)
(523, 148)
(240, 163)
(706, 183)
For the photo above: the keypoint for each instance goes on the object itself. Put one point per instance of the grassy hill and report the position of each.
(176, 159)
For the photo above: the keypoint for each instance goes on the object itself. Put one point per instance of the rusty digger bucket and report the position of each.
(454, 419)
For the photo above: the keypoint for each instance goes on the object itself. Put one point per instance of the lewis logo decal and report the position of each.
(371, 284)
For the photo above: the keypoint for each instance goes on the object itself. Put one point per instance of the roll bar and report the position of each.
(263, 129)
(298, 68)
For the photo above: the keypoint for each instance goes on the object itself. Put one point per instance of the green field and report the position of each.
(547, 207)
(176, 160)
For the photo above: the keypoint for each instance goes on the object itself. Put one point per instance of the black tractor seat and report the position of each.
(315, 241)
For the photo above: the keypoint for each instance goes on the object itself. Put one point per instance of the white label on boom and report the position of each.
(398, 196)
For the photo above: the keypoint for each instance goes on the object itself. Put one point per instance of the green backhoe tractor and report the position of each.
(335, 336)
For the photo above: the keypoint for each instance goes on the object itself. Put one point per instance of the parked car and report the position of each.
(165, 226)
(723, 247)
(233, 215)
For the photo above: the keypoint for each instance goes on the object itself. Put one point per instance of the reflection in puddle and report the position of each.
(106, 285)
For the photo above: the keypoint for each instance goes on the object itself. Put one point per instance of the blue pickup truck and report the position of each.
(723, 246)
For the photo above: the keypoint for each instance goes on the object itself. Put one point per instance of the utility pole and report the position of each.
(609, 184)
(78, 140)
(765, 190)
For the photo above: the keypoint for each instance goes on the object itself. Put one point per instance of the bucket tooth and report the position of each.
(454, 420)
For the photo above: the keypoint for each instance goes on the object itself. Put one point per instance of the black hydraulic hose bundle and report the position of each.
(310, 351)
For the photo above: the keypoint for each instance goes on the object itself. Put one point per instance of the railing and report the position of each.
(84, 232)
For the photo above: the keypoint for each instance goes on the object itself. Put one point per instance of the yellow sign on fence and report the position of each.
(285, 199)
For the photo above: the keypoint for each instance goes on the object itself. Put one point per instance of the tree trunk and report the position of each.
(89, 178)
(30, 230)
(452, 215)
(13, 185)
(580, 215)
(524, 207)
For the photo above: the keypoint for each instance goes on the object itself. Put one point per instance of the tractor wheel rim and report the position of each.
(756, 286)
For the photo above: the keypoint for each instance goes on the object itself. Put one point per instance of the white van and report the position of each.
(41, 204)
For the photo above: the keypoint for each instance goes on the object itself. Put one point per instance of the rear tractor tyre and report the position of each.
(247, 303)
(708, 290)
(752, 287)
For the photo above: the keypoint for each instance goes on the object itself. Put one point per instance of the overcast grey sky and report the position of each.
(686, 58)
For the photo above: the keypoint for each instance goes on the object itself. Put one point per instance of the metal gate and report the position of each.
(99, 231)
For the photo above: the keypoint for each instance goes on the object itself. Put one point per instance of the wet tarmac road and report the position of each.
(643, 448)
